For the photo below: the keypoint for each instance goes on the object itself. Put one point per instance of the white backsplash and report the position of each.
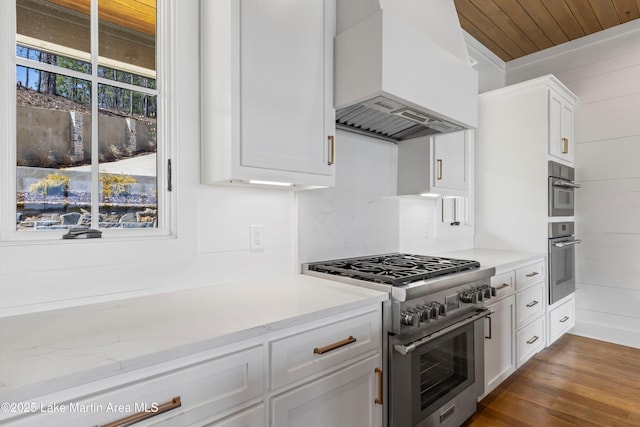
(362, 215)
(359, 216)
(422, 231)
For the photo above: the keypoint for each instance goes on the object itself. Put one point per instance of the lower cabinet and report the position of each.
(516, 328)
(499, 349)
(530, 340)
(304, 375)
(189, 391)
(561, 318)
(531, 284)
(344, 398)
(252, 417)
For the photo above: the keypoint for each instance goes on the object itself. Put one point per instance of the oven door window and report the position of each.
(560, 199)
(441, 370)
(562, 270)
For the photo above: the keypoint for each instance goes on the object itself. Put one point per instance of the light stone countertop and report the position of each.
(501, 260)
(45, 352)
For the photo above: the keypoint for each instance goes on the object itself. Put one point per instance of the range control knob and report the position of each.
(409, 317)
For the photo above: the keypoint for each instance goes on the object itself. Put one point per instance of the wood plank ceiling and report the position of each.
(515, 28)
(138, 15)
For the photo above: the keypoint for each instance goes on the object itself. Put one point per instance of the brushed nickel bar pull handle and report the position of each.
(569, 243)
(439, 169)
(378, 372)
(332, 150)
(532, 303)
(564, 319)
(565, 145)
(140, 416)
(331, 347)
(535, 273)
(534, 339)
(504, 285)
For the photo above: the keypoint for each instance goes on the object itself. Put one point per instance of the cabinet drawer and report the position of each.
(529, 340)
(253, 417)
(561, 319)
(302, 355)
(204, 389)
(530, 274)
(529, 304)
(504, 284)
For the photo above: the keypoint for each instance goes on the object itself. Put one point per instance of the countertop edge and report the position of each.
(48, 386)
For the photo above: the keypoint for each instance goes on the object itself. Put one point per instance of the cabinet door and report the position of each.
(450, 154)
(285, 85)
(343, 399)
(561, 142)
(499, 348)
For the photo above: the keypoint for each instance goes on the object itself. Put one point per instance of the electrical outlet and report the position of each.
(257, 237)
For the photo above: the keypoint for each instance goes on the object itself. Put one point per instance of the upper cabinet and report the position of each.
(451, 161)
(267, 92)
(438, 164)
(561, 143)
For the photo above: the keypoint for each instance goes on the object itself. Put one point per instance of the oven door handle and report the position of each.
(568, 184)
(569, 243)
(406, 349)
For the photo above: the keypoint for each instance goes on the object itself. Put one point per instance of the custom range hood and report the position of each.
(402, 70)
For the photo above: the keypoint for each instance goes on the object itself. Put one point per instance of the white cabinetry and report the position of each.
(561, 318)
(511, 163)
(515, 331)
(521, 127)
(499, 349)
(437, 164)
(530, 309)
(342, 360)
(451, 160)
(325, 372)
(343, 398)
(267, 91)
(192, 390)
(561, 143)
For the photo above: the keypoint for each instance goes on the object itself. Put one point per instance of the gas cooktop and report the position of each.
(396, 269)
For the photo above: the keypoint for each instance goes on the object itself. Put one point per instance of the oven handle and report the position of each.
(406, 349)
(569, 243)
(568, 184)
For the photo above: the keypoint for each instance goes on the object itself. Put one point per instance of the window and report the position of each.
(88, 134)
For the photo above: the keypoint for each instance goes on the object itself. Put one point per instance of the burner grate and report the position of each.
(395, 269)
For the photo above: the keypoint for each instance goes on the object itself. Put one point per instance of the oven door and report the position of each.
(562, 271)
(561, 196)
(436, 380)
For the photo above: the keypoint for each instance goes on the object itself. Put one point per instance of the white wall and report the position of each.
(604, 72)
(212, 243)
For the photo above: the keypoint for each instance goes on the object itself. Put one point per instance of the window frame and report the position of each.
(166, 146)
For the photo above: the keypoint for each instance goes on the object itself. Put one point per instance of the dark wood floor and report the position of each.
(575, 382)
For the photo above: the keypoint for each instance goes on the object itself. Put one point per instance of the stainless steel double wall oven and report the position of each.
(562, 271)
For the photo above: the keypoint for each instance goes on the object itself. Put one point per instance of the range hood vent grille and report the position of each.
(384, 118)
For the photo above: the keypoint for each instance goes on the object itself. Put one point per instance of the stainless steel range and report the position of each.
(434, 346)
